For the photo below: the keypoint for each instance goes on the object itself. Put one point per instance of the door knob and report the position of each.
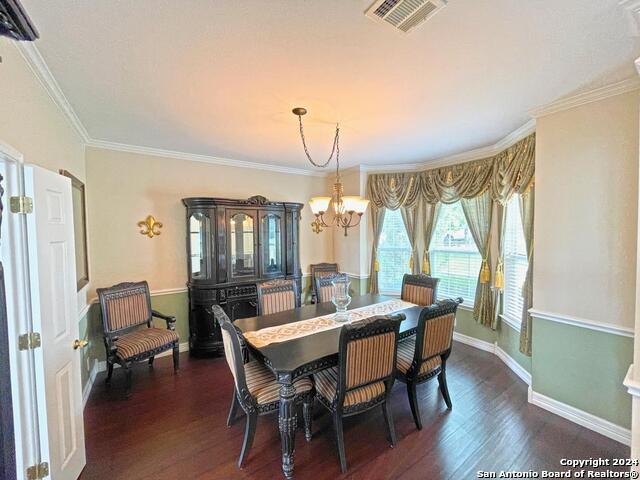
(79, 344)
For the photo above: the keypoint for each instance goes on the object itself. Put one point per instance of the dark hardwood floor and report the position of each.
(174, 427)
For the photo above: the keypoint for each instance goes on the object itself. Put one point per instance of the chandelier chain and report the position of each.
(334, 150)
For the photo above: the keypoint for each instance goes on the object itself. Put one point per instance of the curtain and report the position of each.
(479, 211)
(377, 220)
(510, 171)
(410, 220)
(498, 280)
(527, 201)
(429, 218)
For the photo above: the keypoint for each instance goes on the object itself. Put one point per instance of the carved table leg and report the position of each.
(287, 422)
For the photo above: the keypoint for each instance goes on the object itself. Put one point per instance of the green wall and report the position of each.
(583, 368)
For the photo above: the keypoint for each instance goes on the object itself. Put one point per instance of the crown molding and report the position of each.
(40, 69)
(600, 93)
(468, 156)
(633, 13)
(159, 152)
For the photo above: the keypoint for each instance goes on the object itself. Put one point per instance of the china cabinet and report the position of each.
(231, 246)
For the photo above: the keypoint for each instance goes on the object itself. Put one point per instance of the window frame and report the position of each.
(392, 293)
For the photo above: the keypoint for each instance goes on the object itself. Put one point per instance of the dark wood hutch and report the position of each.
(231, 246)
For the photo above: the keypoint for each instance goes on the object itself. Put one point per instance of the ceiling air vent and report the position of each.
(404, 15)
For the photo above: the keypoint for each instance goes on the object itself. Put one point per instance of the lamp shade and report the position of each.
(362, 205)
(350, 203)
(319, 204)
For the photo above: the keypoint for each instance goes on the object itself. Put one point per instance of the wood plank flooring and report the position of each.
(174, 427)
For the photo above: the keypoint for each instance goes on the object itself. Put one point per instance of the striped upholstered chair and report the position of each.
(319, 270)
(424, 355)
(277, 296)
(419, 289)
(364, 375)
(255, 388)
(325, 288)
(129, 334)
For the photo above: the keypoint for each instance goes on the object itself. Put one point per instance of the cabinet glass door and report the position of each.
(241, 240)
(271, 241)
(199, 256)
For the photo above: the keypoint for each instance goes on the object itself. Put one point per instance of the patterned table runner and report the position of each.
(290, 331)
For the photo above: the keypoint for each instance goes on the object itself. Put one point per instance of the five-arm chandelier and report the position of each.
(348, 210)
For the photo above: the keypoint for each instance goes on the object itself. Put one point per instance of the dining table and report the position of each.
(307, 353)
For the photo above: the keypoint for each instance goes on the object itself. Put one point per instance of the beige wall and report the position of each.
(123, 188)
(586, 211)
(30, 121)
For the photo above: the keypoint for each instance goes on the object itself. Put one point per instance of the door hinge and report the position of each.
(21, 205)
(36, 472)
(29, 341)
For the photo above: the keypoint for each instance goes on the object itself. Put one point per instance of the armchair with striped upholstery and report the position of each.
(419, 289)
(256, 390)
(277, 296)
(325, 288)
(424, 355)
(364, 375)
(129, 334)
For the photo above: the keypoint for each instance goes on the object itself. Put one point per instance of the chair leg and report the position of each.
(337, 424)
(233, 410)
(442, 382)
(307, 412)
(129, 373)
(388, 418)
(109, 371)
(151, 360)
(176, 357)
(413, 402)
(249, 433)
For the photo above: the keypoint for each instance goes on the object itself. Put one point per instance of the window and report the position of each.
(394, 253)
(515, 262)
(455, 259)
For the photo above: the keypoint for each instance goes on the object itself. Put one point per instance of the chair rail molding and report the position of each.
(582, 323)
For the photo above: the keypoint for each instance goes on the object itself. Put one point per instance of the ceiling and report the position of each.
(219, 78)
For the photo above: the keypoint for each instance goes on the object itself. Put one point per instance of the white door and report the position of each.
(52, 275)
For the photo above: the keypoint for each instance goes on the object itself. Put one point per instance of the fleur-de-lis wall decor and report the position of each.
(150, 227)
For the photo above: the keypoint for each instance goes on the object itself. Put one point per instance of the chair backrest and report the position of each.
(320, 270)
(277, 296)
(124, 306)
(325, 288)
(233, 354)
(434, 334)
(367, 353)
(419, 289)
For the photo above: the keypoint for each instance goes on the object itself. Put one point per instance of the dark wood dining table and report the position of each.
(300, 357)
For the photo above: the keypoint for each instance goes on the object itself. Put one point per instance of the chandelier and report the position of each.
(347, 209)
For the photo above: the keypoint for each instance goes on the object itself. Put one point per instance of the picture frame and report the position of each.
(78, 194)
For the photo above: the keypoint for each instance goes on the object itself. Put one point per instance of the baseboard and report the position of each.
(474, 342)
(515, 367)
(587, 420)
(102, 367)
(86, 391)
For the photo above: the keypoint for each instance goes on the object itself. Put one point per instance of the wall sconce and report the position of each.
(150, 227)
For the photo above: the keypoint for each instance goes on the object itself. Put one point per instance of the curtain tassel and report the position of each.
(485, 273)
(426, 266)
(376, 265)
(411, 263)
(499, 280)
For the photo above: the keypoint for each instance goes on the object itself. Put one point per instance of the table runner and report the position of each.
(282, 333)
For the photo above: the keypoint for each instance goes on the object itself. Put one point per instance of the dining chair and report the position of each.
(420, 289)
(255, 388)
(129, 334)
(424, 355)
(364, 375)
(320, 270)
(325, 288)
(277, 296)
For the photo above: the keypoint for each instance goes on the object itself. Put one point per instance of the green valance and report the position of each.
(510, 171)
